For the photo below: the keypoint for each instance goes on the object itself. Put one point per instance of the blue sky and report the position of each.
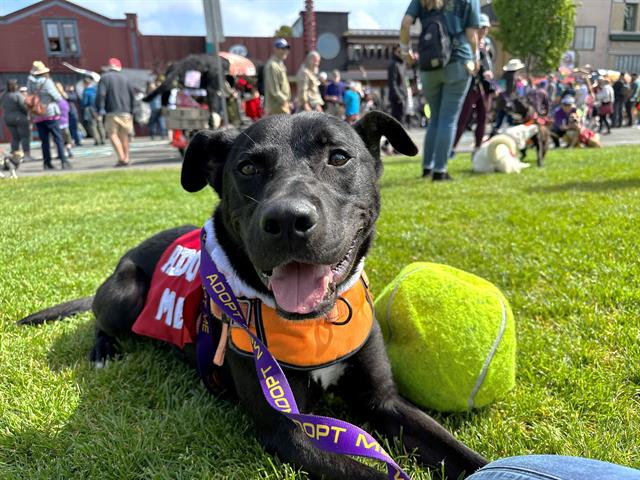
(240, 17)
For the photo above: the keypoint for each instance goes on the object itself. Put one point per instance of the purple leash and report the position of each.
(325, 433)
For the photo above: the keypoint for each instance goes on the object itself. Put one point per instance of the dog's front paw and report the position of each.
(103, 351)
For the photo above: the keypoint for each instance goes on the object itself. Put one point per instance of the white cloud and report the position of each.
(240, 17)
(257, 18)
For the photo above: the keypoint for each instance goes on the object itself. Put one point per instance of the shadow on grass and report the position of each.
(589, 186)
(147, 415)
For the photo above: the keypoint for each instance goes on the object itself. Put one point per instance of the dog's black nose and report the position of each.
(289, 218)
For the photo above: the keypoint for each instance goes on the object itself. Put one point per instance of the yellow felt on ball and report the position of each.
(450, 337)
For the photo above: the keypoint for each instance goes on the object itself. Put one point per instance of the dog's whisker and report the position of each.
(247, 135)
(251, 198)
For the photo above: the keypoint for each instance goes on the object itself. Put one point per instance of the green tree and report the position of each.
(538, 32)
(284, 31)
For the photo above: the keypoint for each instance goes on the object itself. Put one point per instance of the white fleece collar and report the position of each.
(240, 287)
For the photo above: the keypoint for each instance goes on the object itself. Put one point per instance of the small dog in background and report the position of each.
(578, 135)
(11, 163)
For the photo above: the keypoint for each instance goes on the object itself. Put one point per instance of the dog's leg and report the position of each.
(537, 141)
(281, 436)
(117, 304)
(369, 385)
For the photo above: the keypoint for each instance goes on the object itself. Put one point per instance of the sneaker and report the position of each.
(441, 176)
(66, 165)
(426, 172)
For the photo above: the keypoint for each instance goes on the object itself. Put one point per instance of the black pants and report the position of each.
(618, 107)
(628, 107)
(20, 135)
(397, 111)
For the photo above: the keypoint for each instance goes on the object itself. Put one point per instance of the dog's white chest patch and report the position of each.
(328, 376)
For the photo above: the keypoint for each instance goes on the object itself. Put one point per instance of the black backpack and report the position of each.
(434, 48)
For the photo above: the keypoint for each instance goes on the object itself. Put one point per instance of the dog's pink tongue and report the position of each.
(300, 287)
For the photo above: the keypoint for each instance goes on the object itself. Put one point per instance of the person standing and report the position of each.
(480, 94)
(352, 99)
(334, 95)
(620, 91)
(446, 71)
(63, 122)
(116, 99)
(324, 82)
(92, 121)
(635, 95)
(604, 99)
(309, 97)
(16, 118)
(397, 83)
(41, 86)
(277, 91)
(72, 98)
(508, 94)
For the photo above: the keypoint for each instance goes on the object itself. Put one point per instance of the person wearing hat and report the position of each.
(506, 96)
(604, 100)
(480, 94)
(39, 84)
(352, 100)
(116, 99)
(561, 119)
(277, 91)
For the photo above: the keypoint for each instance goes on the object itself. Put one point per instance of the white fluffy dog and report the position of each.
(500, 153)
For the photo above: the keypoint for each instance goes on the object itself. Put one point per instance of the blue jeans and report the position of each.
(46, 128)
(553, 467)
(445, 90)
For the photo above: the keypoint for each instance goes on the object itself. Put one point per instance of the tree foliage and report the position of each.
(284, 31)
(538, 32)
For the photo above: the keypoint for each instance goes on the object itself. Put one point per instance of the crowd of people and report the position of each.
(448, 87)
(100, 107)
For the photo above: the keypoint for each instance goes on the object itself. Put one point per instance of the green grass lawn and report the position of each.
(561, 242)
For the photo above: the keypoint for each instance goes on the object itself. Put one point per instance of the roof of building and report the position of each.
(66, 4)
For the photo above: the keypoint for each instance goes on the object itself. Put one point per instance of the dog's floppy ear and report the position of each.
(205, 158)
(375, 124)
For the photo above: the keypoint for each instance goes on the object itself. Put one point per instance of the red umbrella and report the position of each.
(239, 65)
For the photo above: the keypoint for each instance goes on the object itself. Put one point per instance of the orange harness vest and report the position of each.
(312, 343)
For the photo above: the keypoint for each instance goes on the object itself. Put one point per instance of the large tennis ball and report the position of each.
(450, 337)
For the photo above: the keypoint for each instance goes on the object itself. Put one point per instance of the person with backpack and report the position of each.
(448, 57)
(42, 103)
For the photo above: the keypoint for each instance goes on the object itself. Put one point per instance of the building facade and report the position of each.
(607, 34)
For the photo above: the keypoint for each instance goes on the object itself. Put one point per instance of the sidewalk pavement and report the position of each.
(147, 153)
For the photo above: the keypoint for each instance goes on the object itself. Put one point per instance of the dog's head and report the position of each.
(299, 198)
(521, 110)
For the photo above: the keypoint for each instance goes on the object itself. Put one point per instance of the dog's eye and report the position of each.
(338, 158)
(247, 168)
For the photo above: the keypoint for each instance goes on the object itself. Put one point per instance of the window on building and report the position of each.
(628, 63)
(584, 38)
(61, 37)
(630, 17)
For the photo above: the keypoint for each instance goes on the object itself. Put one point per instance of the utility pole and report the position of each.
(309, 26)
(215, 36)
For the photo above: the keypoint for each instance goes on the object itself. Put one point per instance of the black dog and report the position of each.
(523, 112)
(296, 191)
